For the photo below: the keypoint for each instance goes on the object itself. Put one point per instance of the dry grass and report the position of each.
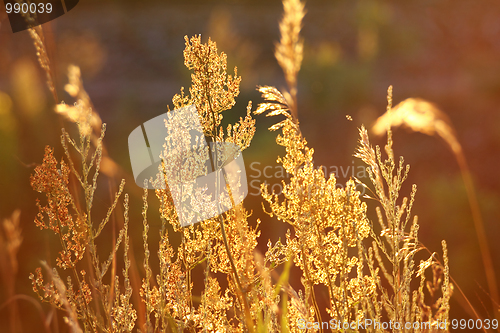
(424, 117)
(10, 242)
(369, 271)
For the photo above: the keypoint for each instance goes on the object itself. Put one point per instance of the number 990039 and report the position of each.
(464, 324)
(25, 8)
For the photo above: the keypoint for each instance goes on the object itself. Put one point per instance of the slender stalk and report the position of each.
(224, 236)
(325, 265)
(456, 285)
(479, 225)
(221, 221)
(311, 285)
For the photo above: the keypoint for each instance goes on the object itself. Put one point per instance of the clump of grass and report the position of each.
(368, 270)
(90, 302)
(223, 244)
(327, 221)
(375, 282)
(424, 117)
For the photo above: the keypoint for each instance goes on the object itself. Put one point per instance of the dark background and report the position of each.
(130, 54)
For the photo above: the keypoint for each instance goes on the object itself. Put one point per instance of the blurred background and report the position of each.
(130, 54)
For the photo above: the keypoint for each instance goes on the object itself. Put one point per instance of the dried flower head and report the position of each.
(81, 112)
(53, 182)
(289, 51)
(213, 90)
(420, 116)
